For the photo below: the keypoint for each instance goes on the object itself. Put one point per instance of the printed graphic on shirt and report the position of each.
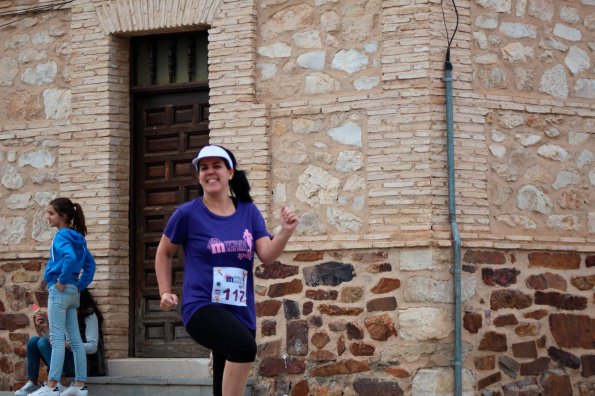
(242, 247)
(229, 286)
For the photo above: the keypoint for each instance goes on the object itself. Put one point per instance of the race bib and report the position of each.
(229, 286)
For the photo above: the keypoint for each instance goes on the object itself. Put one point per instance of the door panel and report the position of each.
(169, 130)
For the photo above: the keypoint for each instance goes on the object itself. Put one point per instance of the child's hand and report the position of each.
(289, 220)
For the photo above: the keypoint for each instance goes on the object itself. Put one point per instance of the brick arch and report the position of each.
(117, 17)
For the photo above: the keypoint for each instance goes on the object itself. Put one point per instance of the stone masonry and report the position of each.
(337, 108)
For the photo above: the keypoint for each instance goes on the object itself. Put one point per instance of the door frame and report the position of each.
(135, 94)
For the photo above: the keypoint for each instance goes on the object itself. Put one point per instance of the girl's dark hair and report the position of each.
(72, 211)
(239, 185)
(89, 306)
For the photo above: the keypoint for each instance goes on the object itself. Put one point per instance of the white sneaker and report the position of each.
(29, 387)
(61, 387)
(74, 390)
(45, 390)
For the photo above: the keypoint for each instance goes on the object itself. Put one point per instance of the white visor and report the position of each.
(212, 151)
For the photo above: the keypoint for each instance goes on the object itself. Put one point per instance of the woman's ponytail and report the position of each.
(78, 220)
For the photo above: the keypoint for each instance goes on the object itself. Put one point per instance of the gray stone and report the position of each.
(349, 161)
(31, 55)
(592, 177)
(57, 103)
(518, 30)
(317, 186)
(289, 19)
(567, 33)
(517, 52)
(41, 231)
(541, 9)
(417, 260)
(553, 152)
(349, 134)
(552, 43)
(589, 22)
(9, 69)
(366, 82)
(18, 41)
(528, 139)
(505, 171)
(354, 183)
(11, 178)
(42, 74)
(349, 61)
(523, 79)
(43, 198)
(588, 2)
(486, 59)
(278, 50)
(521, 6)
(321, 83)
(312, 60)
(591, 222)
(498, 5)
(487, 21)
(310, 224)
(343, 221)
(279, 194)
(42, 38)
(18, 201)
(330, 21)
(498, 150)
(493, 77)
(533, 199)
(440, 382)
(425, 323)
(565, 178)
(584, 158)
(554, 83)
(423, 289)
(563, 222)
(267, 70)
(330, 273)
(585, 88)
(517, 221)
(371, 47)
(309, 39)
(552, 132)
(12, 230)
(569, 14)
(577, 60)
(38, 159)
(40, 178)
(359, 202)
(497, 136)
(481, 40)
(305, 126)
(359, 28)
(577, 138)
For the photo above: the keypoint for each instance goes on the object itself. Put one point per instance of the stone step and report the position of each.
(159, 367)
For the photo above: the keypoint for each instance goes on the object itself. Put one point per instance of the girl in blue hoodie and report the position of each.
(69, 271)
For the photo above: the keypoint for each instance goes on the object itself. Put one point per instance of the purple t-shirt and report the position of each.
(212, 241)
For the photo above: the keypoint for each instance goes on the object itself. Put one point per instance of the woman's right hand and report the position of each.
(169, 301)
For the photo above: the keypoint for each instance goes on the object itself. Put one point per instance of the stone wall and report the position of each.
(337, 108)
(365, 322)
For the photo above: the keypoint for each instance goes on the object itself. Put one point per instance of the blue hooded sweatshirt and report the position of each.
(68, 257)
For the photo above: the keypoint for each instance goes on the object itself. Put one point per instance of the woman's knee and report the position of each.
(243, 350)
(32, 343)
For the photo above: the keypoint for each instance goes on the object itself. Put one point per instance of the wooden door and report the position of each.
(169, 129)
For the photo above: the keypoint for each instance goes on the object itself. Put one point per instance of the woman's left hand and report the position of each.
(60, 286)
(289, 219)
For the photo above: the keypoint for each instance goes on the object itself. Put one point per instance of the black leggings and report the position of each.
(216, 328)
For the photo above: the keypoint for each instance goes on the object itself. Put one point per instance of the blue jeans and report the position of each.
(62, 315)
(39, 349)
